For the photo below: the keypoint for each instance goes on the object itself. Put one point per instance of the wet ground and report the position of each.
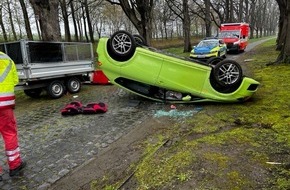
(54, 145)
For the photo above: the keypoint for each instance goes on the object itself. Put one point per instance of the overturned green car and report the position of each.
(129, 63)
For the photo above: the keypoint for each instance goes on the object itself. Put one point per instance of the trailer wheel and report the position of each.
(73, 85)
(33, 93)
(56, 89)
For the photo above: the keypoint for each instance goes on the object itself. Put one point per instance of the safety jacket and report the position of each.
(8, 80)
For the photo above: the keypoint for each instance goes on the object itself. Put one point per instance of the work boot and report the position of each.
(16, 171)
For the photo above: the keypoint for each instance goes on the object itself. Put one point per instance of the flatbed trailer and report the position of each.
(56, 67)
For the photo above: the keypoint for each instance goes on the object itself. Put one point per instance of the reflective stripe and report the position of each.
(4, 56)
(11, 152)
(7, 103)
(6, 94)
(12, 158)
(6, 71)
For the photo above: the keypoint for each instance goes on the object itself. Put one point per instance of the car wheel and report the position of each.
(140, 41)
(73, 85)
(33, 93)
(56, 89)
(214, 60)
(228, 73)
(121, 46)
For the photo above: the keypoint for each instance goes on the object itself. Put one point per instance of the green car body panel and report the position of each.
(153, 68)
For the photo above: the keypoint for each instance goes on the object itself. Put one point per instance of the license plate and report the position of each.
(201, 56)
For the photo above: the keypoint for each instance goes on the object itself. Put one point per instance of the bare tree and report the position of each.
(11, 19)
(203, 11)
(86, 9)
(47, 13)
(26, 20)
(63, 6)
(181, 9)
(2, 24)
(72, 8)
(17, 19)
(140, 14)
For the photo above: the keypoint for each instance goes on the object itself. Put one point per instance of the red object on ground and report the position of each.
(93, 108)
(72, 108)
(99, 78)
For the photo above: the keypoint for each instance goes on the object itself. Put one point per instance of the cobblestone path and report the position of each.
(53, 145)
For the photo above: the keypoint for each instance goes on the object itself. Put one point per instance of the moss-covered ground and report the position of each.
(226, 146)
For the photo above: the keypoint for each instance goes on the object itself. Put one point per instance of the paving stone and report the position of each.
(44, 186)
(54, 145)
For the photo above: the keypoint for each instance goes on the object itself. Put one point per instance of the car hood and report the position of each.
(202, 49)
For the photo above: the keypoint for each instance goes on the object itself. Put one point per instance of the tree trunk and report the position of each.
(63, 7)
(91, 32)
(11, 21)
(26, 20)
(207, 18)
(284, 36)
(140, 14)
(47, 12)
(186, 26)
(84, 21)
(2, 25)
(241, 11)
(74, 20)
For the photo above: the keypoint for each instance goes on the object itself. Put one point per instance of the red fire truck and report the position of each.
(235, 35)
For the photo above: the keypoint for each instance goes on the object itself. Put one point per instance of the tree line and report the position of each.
(88, 20)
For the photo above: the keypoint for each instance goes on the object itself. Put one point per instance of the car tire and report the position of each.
(73, 85)
(33, 93)
(228, 73)
(56, 89)
(140, 41)
(213, 60)
(121, 46)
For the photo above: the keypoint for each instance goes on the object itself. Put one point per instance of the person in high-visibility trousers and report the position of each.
(8, 128)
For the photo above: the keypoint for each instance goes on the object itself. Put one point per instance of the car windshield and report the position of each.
(229, 34)
(208, 43)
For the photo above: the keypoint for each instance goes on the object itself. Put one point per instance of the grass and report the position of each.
(228, 146)
(174, 42)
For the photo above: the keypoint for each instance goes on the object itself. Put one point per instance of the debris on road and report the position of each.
(176, 113)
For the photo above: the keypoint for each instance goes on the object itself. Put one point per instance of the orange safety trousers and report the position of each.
(8, 130)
